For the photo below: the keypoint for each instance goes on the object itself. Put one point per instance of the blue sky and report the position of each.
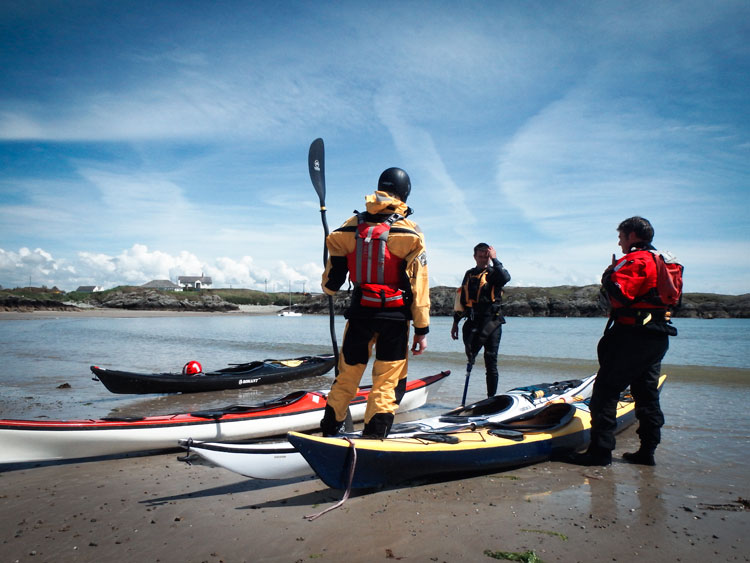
(147, 140)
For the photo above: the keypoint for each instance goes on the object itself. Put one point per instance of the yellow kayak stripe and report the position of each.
(471, 439)
(468, 439)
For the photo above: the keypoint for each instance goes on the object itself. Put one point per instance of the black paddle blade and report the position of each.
(316, 163)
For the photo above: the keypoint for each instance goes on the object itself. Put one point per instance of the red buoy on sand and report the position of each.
(192, 368)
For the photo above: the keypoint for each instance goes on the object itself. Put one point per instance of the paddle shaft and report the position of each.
(469, 365)
(316, 165)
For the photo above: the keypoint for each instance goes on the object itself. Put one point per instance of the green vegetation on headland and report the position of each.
(559, 301)
(139, 298)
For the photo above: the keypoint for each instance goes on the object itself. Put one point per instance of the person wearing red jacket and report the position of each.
(630, 352)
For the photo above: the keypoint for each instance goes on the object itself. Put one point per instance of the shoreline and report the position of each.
(104, 312)
(107, 312)
(155, 508)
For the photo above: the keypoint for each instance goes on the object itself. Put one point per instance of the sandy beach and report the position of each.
(155, 508)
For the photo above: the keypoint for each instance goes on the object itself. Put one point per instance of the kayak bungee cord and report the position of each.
(352, 467)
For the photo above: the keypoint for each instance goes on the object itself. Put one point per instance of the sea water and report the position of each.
(45, 366)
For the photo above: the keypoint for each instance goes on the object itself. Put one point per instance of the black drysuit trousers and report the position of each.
(628, 356)
(484, 332)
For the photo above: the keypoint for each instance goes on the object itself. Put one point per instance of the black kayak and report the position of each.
(236, 376)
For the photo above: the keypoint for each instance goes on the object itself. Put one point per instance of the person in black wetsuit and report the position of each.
(478, 300)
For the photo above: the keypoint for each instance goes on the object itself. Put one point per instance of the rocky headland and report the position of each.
(560, 301)
(145, 300)
(150, 300)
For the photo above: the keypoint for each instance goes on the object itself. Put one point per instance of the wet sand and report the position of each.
(155, 508)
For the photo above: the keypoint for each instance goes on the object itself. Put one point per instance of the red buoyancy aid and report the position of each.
(668, 277)
(643, 282)
(372, 267)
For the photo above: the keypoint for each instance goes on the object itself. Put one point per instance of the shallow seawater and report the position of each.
(704, 398)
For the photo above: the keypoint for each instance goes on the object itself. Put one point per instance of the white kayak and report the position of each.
(45, 440)
(257, 460)
(280, 460)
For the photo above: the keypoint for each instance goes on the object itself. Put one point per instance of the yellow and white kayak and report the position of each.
(556, 430)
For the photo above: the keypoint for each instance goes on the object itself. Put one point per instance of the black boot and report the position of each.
(378, 426)
(644, 456)
(328, 424)
(492, 379)
(591, 457)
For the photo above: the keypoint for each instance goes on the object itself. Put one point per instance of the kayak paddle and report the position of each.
(316, 165)
(469, 365)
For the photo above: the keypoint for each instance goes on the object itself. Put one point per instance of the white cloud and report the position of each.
(174, 98)
(35, 267)
(138, 265)
(20, 124)
(242, 272)
(585, 161)
(138, 198)
(422, 160)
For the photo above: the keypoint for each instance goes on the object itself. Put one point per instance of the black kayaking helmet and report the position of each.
(395, 181)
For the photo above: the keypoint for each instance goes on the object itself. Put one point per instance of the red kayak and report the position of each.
(42, 440)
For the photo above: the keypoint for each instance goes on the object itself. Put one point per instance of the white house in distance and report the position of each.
(163, 285)
(89, 288)
(195, 282)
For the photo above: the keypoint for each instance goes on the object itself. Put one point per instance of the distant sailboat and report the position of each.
(290, 312)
